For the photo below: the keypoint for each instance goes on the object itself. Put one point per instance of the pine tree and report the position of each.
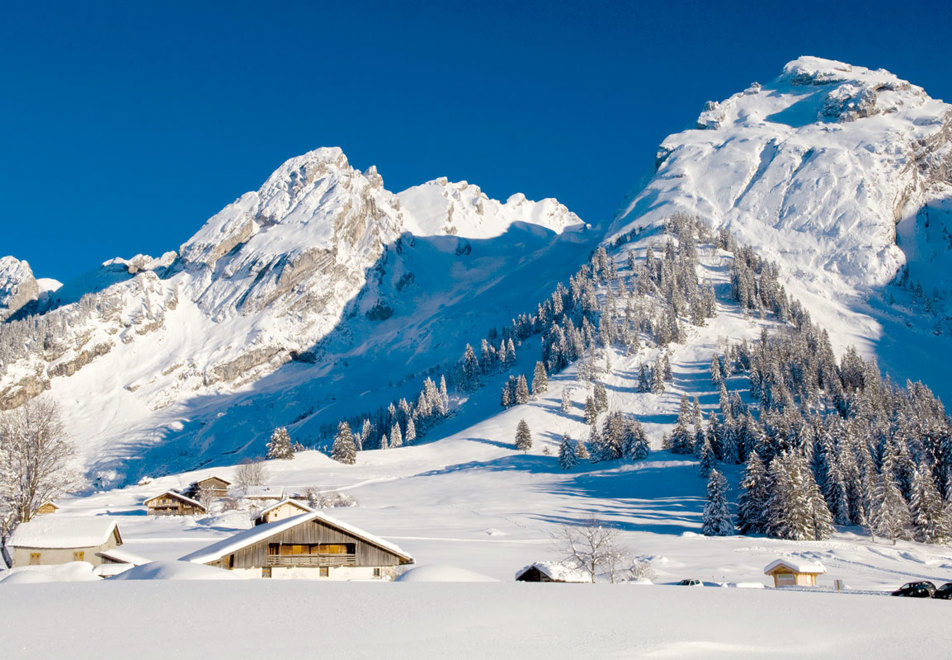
(410, 435)
(752, 507)
(708, 461)
(505, 399)
(523, 436)
(344, 450)
(396, 437)
(522, 390)
(471, 367)
(444, 397)
(600, 395)
(384, 442)
(643, 384)
(657, 378)
(717, 517)
(929, 514)
(889, 516)
(636, 445)
(566, 404)
(682, 440)
(591, 411)
(540, 380)
(581, 451)
(567, 455)
(279, 446)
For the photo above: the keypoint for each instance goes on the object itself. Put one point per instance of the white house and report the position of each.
(60, 539)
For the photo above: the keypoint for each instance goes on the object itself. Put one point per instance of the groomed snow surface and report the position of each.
(287, 619)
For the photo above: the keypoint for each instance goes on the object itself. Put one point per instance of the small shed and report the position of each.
(286, 508)
(58, 540)
(311, 545)
(217, 486)
(47, 507)
(546, 571)
(173, 503)
(789, 572)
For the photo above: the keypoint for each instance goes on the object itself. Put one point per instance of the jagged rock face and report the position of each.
(17, 286)
(814, 168)
(263, 281)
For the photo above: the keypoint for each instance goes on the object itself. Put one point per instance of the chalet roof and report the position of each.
(178, 496)
(64, 532)
(248, 537)
(556, 571)
(123, 556)
(263, 493)
(215, 477)
(796, 566)
(49, 503)
(299, 504)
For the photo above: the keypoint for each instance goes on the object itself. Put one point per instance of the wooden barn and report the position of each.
(794, 572)
(544, 571)
(284, 509)
(173, 503)
(59, 539)
(312, 545)
(47, 507)
(217, 486)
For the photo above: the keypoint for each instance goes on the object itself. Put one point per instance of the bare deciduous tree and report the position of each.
(34, 461)
(250, 472)
(206, 497)
(593, 548)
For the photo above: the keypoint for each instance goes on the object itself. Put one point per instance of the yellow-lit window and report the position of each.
(79, 556)
(34, 557)
(325, 571)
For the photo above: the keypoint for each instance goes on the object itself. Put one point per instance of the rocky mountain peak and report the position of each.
(17, 285)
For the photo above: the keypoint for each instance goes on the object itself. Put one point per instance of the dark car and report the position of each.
(944, 592)
(915, 590)
(690, 583)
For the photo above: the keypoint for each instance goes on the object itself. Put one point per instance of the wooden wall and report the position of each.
(310, 532)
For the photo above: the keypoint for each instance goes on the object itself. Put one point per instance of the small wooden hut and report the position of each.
(217, 486)
(545, 571)
(173, 503)
(311, 545)
(789, 572)
(47, 507)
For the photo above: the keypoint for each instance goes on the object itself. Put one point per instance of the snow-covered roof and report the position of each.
(796, 566)
(177, 495)
(247, 537)
(63, 532)
(556, 571)
(301, 505)
(216, 477)
(263, 493)
(123, 556)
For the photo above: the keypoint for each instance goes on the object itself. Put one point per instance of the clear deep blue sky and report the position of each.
(123, 126)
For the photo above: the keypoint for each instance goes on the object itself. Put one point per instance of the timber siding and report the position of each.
(311, 532)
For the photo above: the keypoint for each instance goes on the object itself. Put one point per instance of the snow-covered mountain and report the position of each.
(841, 174)
(262, 283)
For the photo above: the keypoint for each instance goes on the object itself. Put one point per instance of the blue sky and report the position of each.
(123, 126)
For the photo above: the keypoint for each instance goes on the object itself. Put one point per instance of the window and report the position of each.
(79, 555)
(34, 558)
(377, 572)
(325, 571)
(266, 572)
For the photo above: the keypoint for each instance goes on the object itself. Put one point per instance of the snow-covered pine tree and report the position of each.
(522, 390)
(279, 446)
(471, 369)
(600, 394)
(581, 451)
(657, 378)
(344, 450)
(540, 380)
(384, 442)
(636, 446)
(707, 460)
(444, 397)
(567, 455)
(396, 437)
(523, 436)
(644, 384)
(682, 440)
(566, 404)
(929, 514)
(717, 516)
(889, 515)
(752, 505)
(410, 435)
(591, 411)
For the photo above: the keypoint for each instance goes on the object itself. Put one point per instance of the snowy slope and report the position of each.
(820, 170)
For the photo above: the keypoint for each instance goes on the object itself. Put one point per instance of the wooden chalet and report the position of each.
(173, 503)
(794, 572)
(286, 508)
(47, 507)
(543, 571)
(217, 486)
(312, 545)
(59, 539)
